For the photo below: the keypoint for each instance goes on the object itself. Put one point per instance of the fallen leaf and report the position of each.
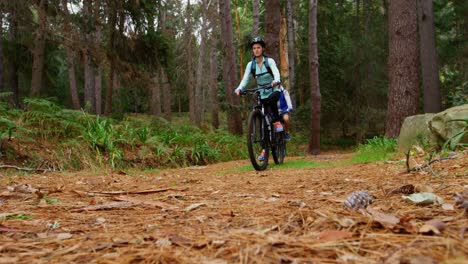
(345, 222)
(163, 242)
(63, 236)
(218, 243)
(387, 220)
(448, 207)
(432, 227)
(330, 235)
(193, 206)
(423, 198)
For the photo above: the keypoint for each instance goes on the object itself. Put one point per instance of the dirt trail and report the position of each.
(220, 214)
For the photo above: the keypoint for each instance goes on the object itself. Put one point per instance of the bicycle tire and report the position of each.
(279, 150)
(256, 140)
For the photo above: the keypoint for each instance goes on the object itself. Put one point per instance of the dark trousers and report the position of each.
(271, 105)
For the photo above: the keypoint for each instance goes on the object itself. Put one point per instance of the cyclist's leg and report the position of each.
(273, 101)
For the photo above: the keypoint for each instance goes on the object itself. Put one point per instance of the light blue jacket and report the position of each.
(263, 78)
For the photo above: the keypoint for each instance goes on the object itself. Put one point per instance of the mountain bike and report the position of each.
(261, 134)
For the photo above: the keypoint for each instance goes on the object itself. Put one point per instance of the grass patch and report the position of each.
(376, 149)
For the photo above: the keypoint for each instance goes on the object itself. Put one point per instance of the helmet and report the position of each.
(257, 40)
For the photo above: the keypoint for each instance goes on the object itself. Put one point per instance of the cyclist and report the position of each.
(285, 107)
(265, 72)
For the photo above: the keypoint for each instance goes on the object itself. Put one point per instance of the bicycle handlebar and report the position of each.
(254, 90)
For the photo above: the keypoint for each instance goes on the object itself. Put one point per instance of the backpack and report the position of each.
(265, 62)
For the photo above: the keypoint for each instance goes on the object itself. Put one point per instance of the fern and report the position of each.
(454, 142)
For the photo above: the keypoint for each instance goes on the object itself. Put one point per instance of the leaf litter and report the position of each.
(116, 218)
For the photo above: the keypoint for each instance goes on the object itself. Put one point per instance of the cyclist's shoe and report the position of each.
(287, 137)
(278, 127)
(262, 156)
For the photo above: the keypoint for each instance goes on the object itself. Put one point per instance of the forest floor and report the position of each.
(228, 213)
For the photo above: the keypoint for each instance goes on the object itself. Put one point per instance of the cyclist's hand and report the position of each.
(237, 91)
(274, 83)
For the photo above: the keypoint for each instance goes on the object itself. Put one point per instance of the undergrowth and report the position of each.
(46, 133)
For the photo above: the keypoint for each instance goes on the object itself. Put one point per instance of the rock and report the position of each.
(443, 129)
(415, 131)
(429, 130)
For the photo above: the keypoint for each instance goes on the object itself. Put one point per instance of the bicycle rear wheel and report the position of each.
(279, 148)
(256, 140)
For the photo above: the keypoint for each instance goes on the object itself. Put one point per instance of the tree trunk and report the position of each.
(167, 98)
(229, 67)
(155, 91)
(241, 65)
(14, 67)
(98, 76)
(165, 84)
(110, 45)
(200, 72)
(272, 29)
(292, 62)
(403, 95)
(428, 53)
(213, 100)
(70, 58)
(315, 97)
(89, 92)
(284, 60)
(38, 51)
(214, 82)
(116, 88)
(1, 52)
(190, 77)
(256, 17)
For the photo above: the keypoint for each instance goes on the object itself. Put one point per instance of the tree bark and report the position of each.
(241, 72)
(229, 67)
(110, 45)
(167, 98)
(428, 53)
(213, 100)
(155, 90)
(292, 62)
(89, 92)
(403, 95)
(38, 50)
(1, 51)
(70, 57)
(165, 83)
(214, 82)
(284, 60)
(315, 97)
(14, 67)
(200, 71)
(272, 29)
(98, 76)
(190, 77)
(256, 17)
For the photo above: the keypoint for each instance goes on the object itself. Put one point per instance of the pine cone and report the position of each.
(405, 189)
(358, 200)
(461, 199)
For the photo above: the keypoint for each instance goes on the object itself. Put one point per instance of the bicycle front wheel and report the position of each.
(256, 141)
